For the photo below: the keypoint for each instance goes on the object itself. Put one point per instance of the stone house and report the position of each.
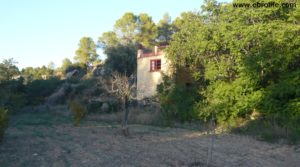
(150, 68)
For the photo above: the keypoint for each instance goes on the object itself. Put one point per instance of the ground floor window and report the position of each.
(155, 65)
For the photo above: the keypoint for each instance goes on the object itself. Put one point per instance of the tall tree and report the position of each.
(65, 64)
(51, 66)
(8, 69)
(120, 45)
(108, 39)
(146, 30)
(86, 53)
(126, 27)
(121, 58)
(131, 29)
(165, 29)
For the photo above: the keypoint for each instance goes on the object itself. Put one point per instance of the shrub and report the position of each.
(80, 67)
(78, 111)
(79, 89)
(38, 90)
(227, 101)
(177, 100)
(97, 92)
(114, 106)
(281, 102)
(3, 122)
(94, 106)
(12, 95)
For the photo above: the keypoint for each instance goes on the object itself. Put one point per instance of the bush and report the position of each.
(78, 111)
(80, 67)
(281, 102)
(38, 90)
(177, 101)
(12, 95)
(3, 122)
(94, 107)
(97, 92)
(227, 101)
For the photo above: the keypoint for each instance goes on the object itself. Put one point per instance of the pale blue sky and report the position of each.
(36, 32)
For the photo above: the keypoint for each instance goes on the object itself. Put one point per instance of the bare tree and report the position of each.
(124, 88)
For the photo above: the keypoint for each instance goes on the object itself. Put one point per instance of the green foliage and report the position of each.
(147, 30)
(78, 111)
(121, 58)
(8, 69)
(3, 122)
(177, 100)
(126, 27)
(108, 39)
(281, 101)
(165, 30)
(86, 53)
(131, 31)
(229, 101)
(39, 73)
(245, 59)
(81, 68)
(66, 63)
(183, 20)
(38, 90)
(13, 94)
(94, 106)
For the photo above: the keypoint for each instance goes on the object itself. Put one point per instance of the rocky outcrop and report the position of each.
(59, 96)
(72, 74)
(98, 70)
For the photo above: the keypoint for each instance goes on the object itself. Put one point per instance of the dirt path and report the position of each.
(99, 144)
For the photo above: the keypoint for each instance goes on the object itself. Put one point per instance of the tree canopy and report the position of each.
(86, 53)
(165, 29)
(8, 69)
(66, 63)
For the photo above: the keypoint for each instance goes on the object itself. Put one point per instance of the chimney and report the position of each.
(155, 50)
(139, 53)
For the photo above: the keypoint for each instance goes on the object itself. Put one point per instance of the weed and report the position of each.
(78, 111)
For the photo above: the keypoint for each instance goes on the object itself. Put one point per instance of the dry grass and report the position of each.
(49, 139)
(136, 116)
(101, 144)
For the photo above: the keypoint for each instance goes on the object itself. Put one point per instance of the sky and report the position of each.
(37, 32)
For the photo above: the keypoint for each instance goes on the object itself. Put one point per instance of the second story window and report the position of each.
(155, 65)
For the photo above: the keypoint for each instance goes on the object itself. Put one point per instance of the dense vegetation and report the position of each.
(243, 61)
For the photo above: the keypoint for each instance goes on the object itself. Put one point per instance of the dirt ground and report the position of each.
(36, 142)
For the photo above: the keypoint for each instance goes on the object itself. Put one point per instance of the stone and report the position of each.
(104, 107)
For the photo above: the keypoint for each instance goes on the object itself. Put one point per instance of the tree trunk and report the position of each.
(125, 128)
